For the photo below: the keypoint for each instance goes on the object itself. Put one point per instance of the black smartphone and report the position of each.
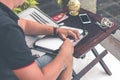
(84, 18)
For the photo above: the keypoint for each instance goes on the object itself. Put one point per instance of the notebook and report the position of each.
(51, 44)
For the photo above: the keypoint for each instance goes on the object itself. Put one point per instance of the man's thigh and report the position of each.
(44, 60)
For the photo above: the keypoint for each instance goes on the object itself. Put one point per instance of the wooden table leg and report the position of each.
(90, 65)
(102, 63)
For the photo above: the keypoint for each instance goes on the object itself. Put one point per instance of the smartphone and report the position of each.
(84, 18)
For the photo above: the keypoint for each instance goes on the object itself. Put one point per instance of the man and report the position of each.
(16, 60)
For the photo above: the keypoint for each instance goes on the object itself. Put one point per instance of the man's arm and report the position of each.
(30, 72)
(52, 70)
(34, 28)
(60, 61)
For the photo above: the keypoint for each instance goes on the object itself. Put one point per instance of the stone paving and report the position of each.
(110, 9)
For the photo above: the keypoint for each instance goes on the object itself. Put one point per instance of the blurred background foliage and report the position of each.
(26, 4)
(31, 3)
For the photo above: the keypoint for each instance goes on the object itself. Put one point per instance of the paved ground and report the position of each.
(110, 9)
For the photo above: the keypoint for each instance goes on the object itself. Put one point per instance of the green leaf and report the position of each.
(26, 4)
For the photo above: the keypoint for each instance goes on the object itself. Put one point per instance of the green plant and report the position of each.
(26, 4)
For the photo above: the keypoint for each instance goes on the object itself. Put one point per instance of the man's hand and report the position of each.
(67, 47)
(67, 33)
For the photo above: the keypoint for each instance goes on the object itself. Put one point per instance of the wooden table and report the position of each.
(94, 37)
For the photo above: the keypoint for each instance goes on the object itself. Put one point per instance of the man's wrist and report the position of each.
(55, 31)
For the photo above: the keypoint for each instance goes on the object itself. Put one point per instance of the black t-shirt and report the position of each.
(14, 52)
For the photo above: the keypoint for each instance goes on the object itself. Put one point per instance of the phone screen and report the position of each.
(84, 18)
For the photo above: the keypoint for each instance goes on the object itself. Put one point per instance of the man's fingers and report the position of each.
(77, 33)
(74, 34)
(63, 37)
